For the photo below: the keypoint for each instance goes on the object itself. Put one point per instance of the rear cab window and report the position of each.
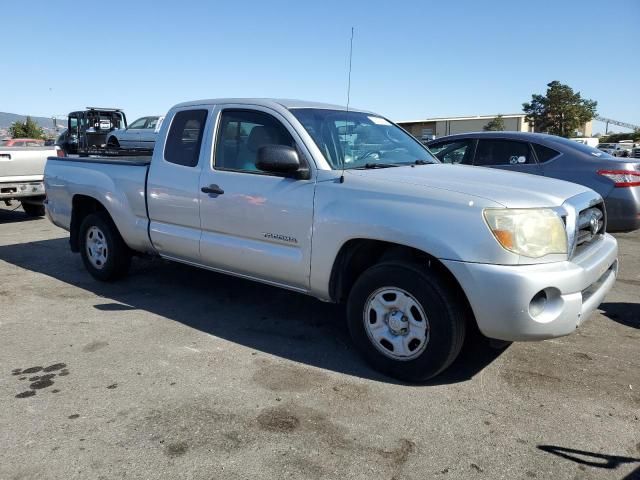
(185, 137)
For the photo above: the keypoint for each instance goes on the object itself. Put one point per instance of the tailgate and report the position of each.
(23, 162)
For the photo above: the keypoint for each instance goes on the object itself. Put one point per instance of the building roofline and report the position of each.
(477, 117)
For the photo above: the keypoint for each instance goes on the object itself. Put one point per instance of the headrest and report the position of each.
(259, 137)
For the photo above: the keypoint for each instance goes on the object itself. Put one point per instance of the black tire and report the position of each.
(444, 310)
(113, 143)
(118, 258)
(33, 209)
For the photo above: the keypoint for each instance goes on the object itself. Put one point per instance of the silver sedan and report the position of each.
(140, 134)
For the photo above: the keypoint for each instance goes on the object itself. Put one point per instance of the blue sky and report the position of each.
(411, 59)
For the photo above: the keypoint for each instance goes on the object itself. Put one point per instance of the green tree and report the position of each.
(495, 125)
(560, 112)
(26, 129)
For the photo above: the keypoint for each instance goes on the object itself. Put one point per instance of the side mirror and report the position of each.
(280, 159)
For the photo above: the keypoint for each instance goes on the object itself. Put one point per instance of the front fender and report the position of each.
(444, 224)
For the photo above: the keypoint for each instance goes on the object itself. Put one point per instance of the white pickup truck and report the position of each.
(21, 175)
(347, 207)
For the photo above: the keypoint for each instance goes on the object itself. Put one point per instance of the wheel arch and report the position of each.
(82, 206)
(357, 255)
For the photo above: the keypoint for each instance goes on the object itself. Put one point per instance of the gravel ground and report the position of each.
(177, 373)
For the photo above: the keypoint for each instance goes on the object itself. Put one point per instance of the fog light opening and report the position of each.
(538, 303)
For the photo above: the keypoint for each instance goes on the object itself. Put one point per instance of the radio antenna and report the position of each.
(349, 81)
(348, 100)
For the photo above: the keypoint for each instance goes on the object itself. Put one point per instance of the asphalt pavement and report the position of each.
(181, 373)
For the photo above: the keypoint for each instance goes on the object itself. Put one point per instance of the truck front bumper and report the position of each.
(534, 302)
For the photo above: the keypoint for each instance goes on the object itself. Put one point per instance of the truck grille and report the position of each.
(635, 153)
(590, 224)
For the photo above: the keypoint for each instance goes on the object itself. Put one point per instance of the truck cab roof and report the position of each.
(289, 104)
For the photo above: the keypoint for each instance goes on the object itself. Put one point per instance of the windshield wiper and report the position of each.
(423, 162)
(368, 166)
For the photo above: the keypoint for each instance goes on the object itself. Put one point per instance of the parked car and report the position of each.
(609, 148)
(21, 172)
(22, 142)
(616, 180)
(616, 149)
(623, 149)
(140, 134)
(272, 191)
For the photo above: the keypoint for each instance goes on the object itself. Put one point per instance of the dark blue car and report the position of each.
(617, 180)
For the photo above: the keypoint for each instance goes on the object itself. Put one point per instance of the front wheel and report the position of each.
(104, 253)
(406, 321)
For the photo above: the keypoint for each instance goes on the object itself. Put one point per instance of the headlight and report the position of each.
(534, 232)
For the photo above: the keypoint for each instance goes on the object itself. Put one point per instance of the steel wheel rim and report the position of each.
(96, 247)
(396, 323)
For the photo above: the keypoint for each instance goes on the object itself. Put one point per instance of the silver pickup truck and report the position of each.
(348, 207)
(21, 176)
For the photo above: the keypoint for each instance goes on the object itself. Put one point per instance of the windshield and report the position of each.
(361, 140)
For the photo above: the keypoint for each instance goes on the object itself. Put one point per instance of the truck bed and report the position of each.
(118, 183)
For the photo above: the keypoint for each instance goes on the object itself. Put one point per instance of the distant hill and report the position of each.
(7, 119)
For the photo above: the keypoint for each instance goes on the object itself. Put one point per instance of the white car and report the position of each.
(617, 149)
(140, 134)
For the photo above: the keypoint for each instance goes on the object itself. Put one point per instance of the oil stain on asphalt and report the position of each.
(94, 346)
(278, 420)
(38, 382)
(200, 426)
(177, 449)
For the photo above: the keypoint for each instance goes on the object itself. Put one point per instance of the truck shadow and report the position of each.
(624, 313)
(269, 319)
(14, 214)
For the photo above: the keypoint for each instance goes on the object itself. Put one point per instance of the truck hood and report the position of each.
(510, 189)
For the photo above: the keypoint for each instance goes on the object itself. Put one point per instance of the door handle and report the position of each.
(212, 189)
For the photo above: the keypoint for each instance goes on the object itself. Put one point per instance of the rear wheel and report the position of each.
(33, 209)
(104, 253)
(113, 143)
(406, 321)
